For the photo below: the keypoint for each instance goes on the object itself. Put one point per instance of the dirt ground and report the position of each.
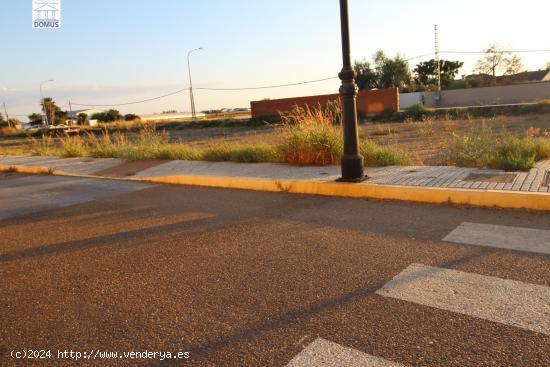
(423, 141)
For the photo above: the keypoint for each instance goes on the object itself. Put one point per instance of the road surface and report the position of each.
(238, 278)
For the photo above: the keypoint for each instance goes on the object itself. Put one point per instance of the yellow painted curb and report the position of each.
(434, 195)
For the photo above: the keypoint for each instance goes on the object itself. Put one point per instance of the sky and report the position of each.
(118, 51)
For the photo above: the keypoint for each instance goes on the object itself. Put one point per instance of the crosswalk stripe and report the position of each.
(328, 354)
(508, 302)
(511, 238)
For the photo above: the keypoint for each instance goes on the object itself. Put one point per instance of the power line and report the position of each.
(208, 89)
(474, 52)
(502, 51)
(280, 85)
(130, 103)
(420, 56)
(271, 86)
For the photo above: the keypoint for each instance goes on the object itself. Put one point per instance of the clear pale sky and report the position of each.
(117, 51)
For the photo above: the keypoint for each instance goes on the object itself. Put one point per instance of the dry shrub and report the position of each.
(312, 136)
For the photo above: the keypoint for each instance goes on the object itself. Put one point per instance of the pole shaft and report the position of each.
(6, 113)
(191, 86)
(352, 161)
(44, 114)
(344, 24)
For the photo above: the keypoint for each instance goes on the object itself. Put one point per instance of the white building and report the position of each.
(73, 116)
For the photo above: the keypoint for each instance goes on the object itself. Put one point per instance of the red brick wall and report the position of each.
(368, 102)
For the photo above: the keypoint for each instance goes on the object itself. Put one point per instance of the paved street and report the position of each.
(243, 278)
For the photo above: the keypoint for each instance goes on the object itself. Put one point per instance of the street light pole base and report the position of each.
(352, 169)
(353, 180)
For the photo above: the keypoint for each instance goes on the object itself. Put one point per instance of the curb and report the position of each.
(432, 195)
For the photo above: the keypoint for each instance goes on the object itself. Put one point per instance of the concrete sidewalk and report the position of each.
(481, 187)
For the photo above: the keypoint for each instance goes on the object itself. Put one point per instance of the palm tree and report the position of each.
(50, 108)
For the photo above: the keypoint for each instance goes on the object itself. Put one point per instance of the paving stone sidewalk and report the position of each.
(535, 180)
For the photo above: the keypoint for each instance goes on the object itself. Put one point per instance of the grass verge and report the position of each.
(481, 147)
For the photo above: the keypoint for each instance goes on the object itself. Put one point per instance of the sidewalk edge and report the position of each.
(433, 195)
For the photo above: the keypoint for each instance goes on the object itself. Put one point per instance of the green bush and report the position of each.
(387, 115)
(513, 153)
(418, 112)
(178, 151)
(241, 153)
(255, 154)
(481, 148)
(380, 156)
(473, 149)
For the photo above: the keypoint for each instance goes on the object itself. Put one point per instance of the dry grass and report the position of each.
(7, 131)
(34, 170)
(307, 137)
(312, 136)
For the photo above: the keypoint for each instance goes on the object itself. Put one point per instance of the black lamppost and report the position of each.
(352, 161)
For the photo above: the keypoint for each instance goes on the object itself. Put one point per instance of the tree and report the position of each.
(499, 60)
(60, 117)
(426, 72)
(392, 73)
(50, 108)
(514, 65)
(81, 118)
(384, 72)
(365, 76)
(35, 117)
(114, 115)
(131, 117)
(548, 66)
(108, 116)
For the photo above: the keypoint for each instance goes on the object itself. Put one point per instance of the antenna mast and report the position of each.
(437, 62)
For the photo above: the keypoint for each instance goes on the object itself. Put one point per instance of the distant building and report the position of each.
(525, 77)
(170, 116)
(519, 78)
(73, 116)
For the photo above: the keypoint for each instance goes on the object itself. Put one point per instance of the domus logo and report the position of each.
(46, 14)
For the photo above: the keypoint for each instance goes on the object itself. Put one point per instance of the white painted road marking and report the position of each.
(505, 301)
(328, 354)
(511, 238)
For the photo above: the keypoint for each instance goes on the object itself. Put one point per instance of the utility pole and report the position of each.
(70, 111)
(438, 64)
(352, 161)
(193, 112)
(6, 113)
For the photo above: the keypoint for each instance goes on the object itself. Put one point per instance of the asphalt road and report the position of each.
(240, 278)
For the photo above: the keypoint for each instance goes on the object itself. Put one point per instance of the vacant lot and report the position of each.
(423, 141)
